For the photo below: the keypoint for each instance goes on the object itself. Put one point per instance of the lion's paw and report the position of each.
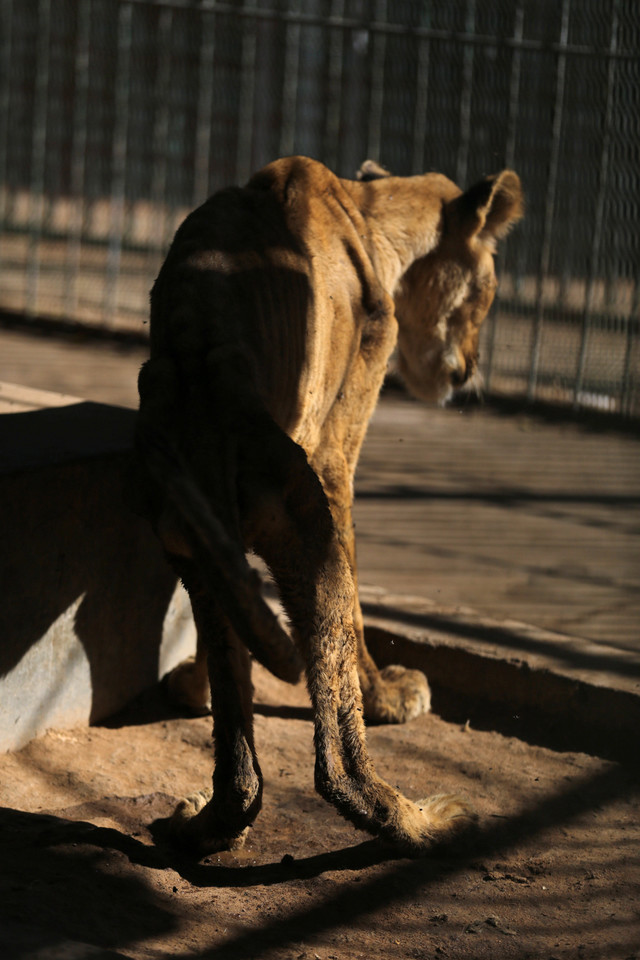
(193, 825)
(187, 685)
(189, 808)
(398, 695)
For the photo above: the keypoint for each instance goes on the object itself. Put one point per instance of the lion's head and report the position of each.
(444, 296)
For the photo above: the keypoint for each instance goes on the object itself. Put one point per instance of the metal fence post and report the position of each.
(509, 160)
(464, 127)
(334, 86)
(550, 201)
(6, 44)
(422, 95)
(247, 88)
(118, 162)
(603, 183)
(38, 155)
(201, 185)
(377, 83)
(78, 158)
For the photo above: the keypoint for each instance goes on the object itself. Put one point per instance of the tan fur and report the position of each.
(272, 322)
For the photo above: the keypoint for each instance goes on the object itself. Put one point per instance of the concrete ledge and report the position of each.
(90, 614)
(567, 692)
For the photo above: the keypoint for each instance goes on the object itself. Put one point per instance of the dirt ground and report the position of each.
(510, 515)
(552, 873)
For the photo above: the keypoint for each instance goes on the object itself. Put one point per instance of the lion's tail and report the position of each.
(218, 555)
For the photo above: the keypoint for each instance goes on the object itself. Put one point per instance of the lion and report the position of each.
(273, 319)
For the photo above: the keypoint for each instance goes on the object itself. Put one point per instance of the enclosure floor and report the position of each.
(552, 872)
(514, 516)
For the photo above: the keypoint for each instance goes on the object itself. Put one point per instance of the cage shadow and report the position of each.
(407, 878)
(38, 849)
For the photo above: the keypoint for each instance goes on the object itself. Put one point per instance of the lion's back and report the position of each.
(240, 271)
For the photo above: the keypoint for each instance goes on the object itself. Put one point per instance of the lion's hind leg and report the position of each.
(300, 545)
(394, 694)
(218, 818)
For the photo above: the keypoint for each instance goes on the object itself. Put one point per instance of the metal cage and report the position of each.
(118, 116)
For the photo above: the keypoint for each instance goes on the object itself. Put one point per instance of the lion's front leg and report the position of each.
(394, 694)
(187, 684)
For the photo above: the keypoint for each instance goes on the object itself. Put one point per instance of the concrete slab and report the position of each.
(39, 428)
(539, 685)
(91, 615)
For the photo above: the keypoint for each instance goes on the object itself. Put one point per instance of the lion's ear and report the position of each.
(370, 170)
(490, 208)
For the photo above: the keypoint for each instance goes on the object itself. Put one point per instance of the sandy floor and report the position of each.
(508, 515)
(553, 872)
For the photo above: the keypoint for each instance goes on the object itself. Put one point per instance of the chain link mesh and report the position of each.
(116, 118)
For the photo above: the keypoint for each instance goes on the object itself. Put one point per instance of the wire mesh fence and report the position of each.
(118, 116)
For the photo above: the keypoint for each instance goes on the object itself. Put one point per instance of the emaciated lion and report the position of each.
(272, 321)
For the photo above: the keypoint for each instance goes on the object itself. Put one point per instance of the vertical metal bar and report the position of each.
(201, 187)
(468, 49)
(118, 162)
(78, 158)
(377, 83)
(6, 25)
(290, 86)
(6, 49)
(162, 100)
(514, 85)
(633, 323)
(247, 87)
(354, 91)
(422, 96)
(334, 106)
(603, 184)
(550, 200)
(38, 154)
(509, 159)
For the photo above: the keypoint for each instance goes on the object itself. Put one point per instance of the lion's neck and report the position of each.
(404, 220)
